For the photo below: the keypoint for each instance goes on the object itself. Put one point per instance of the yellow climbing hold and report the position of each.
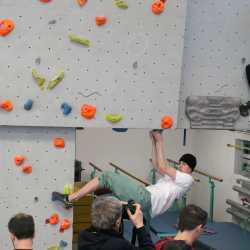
(68, 189)
(121, 4)
(53, 248)
(114, 118)
(56, 80)
(39, 79)
(77, 39)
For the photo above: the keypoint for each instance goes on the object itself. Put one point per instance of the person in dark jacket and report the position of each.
(104, 234)
(22, 231)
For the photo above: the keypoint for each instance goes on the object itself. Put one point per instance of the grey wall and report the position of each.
(216, 40)
(52, 169)
(143, 95)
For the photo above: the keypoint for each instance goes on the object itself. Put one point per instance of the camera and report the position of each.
(130, 206)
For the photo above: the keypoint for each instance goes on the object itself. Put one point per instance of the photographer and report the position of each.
(22, 231)
(106, 217)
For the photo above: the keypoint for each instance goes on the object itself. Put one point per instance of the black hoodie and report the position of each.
(92, 239)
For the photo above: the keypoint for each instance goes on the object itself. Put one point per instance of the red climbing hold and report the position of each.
(27, 169)
(65, 224)
(6, 26)
(166, 121)
(158, 6)
(45, 1)
(100, 20)
(6, 105)
(19, 159)
(88, 111)
(53, 219)
(81, 2)
(59, 142)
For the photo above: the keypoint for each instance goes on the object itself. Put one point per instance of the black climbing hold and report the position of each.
(244, 110)
(248, 74)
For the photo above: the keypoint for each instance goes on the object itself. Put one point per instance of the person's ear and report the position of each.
(200, 228)
(12, 236)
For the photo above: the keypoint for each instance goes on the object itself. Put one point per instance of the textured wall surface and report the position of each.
(52, 169)
(134, 61)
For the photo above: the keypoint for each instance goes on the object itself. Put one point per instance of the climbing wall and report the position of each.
(132, 66)
(31, 193)
(216, 53)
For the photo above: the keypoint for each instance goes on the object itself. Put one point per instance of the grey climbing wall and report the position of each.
(216, 43)
(133, 66)
(52, 168)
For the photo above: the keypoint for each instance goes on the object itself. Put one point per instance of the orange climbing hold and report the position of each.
(100, 20)
(65, 224)
(59, 142)
(6, 105)
(19, 159)
(166, 121)
(6, 26)
(81, 2)
(53, 219)
(88, 111)
(27, 169)
(158, 6)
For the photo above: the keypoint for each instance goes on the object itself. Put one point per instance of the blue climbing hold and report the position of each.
(28, 105)
(66, 108)
(63, 244)
(120, 130)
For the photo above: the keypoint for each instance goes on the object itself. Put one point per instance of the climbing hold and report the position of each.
(121, 4)
(77, 39)
(27, 169)
(166, 121)
(54, 248)
(36, 199)
(135, 65)
(67, 189)
(158, 6)
(65, 224)
(244, 110)
(114, 118)
(6, 26)
(88, 111)
(81, 2)
(28, 105)
(38, 60)
(59, 142)
(19, 159)
(120, 130)
(100, 20)
(66, 108)
(248, 74)
(6, 105)
(52, 22)
(63, 243)
(39, 79)
(53, 219)
(45, 1)
(56, 80)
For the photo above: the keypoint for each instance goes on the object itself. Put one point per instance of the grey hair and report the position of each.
(105, 212)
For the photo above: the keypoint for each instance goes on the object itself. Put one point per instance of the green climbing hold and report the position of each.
(56, 80)
(77, 39)
(39, 79)
(114, 118)
(121, 4)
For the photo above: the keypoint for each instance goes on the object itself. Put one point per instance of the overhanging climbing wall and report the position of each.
(31, 193)
(132, 66)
